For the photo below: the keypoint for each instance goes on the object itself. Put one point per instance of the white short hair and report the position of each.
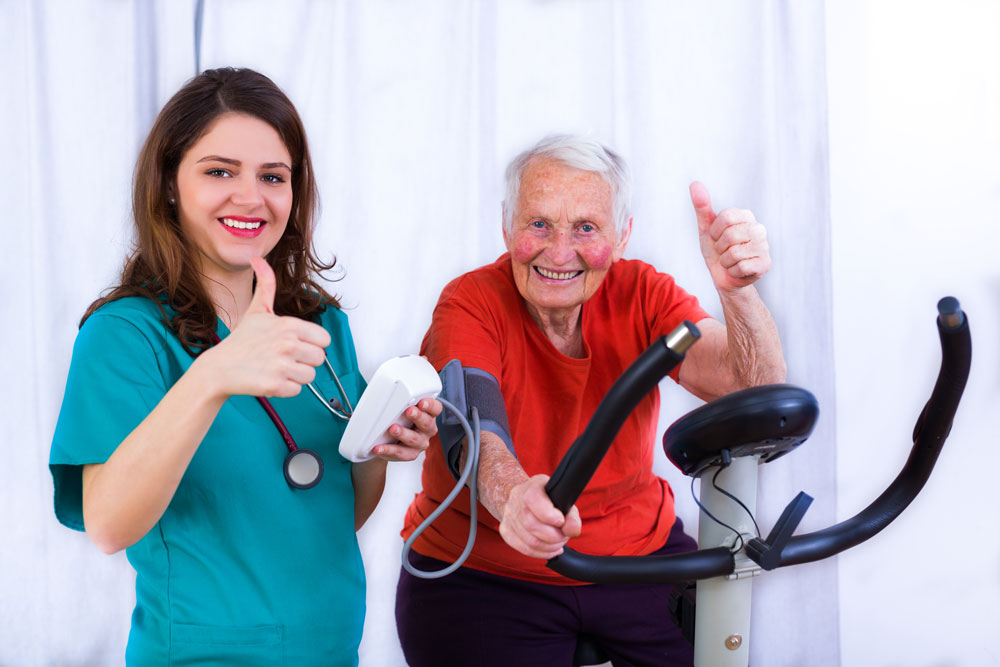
(579, 152)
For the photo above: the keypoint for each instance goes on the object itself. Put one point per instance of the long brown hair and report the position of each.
(161, 265)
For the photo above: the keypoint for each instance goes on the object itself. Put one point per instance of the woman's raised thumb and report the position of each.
(263, 295)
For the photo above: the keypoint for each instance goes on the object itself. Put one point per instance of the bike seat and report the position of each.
(766, 421)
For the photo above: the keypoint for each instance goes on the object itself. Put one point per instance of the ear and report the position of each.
(503, 226)
(622, 242)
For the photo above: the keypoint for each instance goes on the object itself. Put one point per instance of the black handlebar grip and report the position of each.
(585, 454)
(671, 569)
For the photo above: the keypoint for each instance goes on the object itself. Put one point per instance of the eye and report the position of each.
(274, 179)
(537, 224)
(587, 228)
(218, 173)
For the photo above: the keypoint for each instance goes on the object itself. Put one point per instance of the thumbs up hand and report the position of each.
(263, 295)
(268, 355)
(733, 243)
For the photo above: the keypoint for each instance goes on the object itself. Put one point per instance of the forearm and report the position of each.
(368, 478)
(499, 472)
(753, 353)
(124, 497)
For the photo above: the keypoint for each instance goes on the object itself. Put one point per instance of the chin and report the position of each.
(556, 304)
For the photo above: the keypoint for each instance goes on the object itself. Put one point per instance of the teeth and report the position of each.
(555, 275)
(239, 224)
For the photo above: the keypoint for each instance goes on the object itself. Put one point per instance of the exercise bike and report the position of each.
(722, 443)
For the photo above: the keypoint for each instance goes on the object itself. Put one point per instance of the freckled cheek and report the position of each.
(524, 249)
(597, 257)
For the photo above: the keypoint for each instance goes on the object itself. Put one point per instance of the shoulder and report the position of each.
(636, 270)
(333, 319)
(137, 307)
(634, 291)
(135, 315)
(635, 278)
(494, 281)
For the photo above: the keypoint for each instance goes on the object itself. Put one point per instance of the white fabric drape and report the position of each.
(412, 111)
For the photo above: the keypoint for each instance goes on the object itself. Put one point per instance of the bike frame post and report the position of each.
(722, 610)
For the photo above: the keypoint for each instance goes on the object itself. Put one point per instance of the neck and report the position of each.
(230, 294)
(561, 327)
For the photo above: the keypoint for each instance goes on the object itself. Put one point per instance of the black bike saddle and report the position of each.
(768, 421)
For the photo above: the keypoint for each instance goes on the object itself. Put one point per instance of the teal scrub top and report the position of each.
(241, 569)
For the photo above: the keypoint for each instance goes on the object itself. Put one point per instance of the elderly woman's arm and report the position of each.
(529, 522)
(746, 351)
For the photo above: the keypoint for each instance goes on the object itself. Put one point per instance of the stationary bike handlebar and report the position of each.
(929, 434)
(585, 454)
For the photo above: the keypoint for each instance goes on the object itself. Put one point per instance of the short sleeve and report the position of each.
(114, 382)
(668, 304)
(665, 304)
(465, 327)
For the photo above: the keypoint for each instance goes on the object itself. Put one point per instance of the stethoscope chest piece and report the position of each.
(303, 469)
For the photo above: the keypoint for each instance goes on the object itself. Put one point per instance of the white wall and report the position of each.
(914, 94)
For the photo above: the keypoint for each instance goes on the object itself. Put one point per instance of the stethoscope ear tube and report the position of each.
(303, 469)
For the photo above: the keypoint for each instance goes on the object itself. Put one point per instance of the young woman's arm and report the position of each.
(369, 476)
(265, 355)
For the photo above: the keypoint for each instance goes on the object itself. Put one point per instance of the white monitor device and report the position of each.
(397, 384)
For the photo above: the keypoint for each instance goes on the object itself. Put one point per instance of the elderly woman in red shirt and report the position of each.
(552, 324)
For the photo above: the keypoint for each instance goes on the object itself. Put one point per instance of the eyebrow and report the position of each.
(237, 163)
(575, 221)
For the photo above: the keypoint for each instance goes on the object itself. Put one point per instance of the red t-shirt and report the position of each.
(481, 319)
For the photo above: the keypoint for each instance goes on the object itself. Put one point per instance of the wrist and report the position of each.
(737, 293)
(497, 484)
(206, 378)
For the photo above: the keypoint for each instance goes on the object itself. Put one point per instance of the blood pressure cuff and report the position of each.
(466, 388)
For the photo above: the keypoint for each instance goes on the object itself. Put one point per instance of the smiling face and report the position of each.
(563, 238)
(234, 194)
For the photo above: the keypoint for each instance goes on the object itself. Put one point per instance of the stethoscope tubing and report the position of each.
(343, 394)
(278, 423)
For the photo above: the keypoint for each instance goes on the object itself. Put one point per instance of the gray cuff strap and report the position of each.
(466, 388)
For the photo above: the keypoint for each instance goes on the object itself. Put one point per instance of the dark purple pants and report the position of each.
(476, 619)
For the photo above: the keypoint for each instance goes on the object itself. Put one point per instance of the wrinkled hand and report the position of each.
(532, 525)
(733, 243)
(268, 355)
(411, 442)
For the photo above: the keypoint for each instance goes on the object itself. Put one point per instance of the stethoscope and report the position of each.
(304, 467)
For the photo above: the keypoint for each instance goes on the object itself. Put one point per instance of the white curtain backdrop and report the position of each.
(413, 110)
(914, 98)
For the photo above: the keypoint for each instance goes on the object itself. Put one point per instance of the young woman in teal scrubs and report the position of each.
(161, 448)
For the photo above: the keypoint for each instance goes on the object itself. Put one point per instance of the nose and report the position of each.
(246, 191)
(561, 249)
